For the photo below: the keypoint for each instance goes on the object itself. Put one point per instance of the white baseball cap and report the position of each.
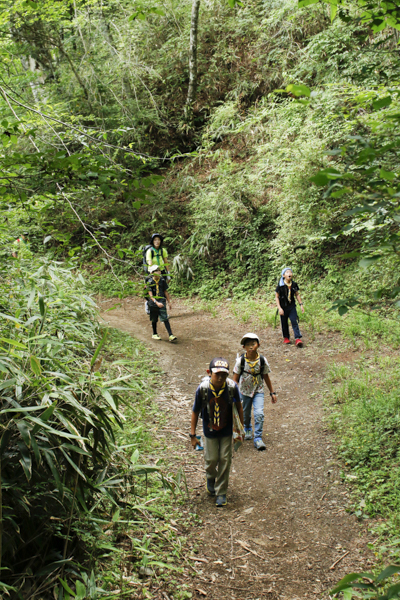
(153, 268)
(249, 336)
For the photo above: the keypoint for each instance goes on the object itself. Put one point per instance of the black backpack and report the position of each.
(282, 293)
(243, 362)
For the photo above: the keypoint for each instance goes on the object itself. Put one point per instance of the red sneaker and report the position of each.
(286, 341)
(299, 343)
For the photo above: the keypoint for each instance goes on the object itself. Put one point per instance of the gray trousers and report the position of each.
(218, 458)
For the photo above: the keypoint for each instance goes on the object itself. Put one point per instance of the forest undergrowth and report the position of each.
(82, 486)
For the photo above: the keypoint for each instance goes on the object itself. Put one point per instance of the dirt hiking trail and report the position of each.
(285, 532)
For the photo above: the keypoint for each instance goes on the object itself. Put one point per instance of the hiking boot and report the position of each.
(299, 343)
(221, 501)
(172, 338)
(259, 445)
(210, 482)
(155, 336)
(286, 341)
(248, 435)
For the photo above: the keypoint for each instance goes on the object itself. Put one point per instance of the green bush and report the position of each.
(59, 413)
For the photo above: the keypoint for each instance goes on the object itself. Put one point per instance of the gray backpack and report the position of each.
(205, 386)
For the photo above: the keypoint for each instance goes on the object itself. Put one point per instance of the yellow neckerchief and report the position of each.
(252, 365)
(289, 285)
(157, 281)
(216, 405)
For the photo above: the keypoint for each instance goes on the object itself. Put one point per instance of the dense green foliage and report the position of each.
(115, 79)
(290, 156)
(65, 469)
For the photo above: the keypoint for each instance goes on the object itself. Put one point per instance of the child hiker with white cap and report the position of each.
(250, 370)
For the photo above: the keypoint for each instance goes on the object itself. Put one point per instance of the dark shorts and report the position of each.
(158, 313)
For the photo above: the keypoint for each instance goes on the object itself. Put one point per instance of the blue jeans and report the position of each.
(257, 401)
(290, 313)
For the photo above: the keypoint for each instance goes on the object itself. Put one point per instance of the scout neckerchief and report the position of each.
(252, 366)
(289, 285)
(159, 254)
(157, 282)
(217, 395)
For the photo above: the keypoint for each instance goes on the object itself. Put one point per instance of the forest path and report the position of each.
(285, 524)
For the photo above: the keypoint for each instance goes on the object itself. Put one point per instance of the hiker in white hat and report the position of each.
(250, 372)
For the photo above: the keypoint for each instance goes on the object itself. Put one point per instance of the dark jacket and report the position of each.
(283, 290)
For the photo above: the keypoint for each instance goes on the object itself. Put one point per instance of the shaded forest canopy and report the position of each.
(98, 141)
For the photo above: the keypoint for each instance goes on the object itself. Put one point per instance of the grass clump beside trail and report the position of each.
(365, 416)
(82, 498)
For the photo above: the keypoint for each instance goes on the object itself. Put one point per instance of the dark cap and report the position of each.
(154, 235)
(219, 365)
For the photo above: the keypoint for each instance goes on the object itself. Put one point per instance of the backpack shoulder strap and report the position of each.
(231, 389)
(242, 363)
(204, 386)
(262, 362)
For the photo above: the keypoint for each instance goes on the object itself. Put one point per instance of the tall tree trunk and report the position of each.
(30, 64)
(193, 54)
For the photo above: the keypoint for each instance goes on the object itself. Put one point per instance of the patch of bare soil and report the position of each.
(285, 532)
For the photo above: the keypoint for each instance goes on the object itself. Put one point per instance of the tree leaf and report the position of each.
(333, 9)
(24, 431)
(298, 90)
(320, 179)
(14, 343)
(66, 587)
(48, 412)
(347, 593)
(80, 590)
(303, 3)
(35, 365)
(41, 306)
(388, 572)
(387, 175)
(99, 347)
(344, 583)
(25, 459)
(370, 260)
(382, 102)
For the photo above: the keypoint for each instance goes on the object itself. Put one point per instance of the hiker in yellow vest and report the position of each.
(157, 255)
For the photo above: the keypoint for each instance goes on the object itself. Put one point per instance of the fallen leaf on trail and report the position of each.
(249, 510)
(204, 560)
(260, 542)
(202, 592)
